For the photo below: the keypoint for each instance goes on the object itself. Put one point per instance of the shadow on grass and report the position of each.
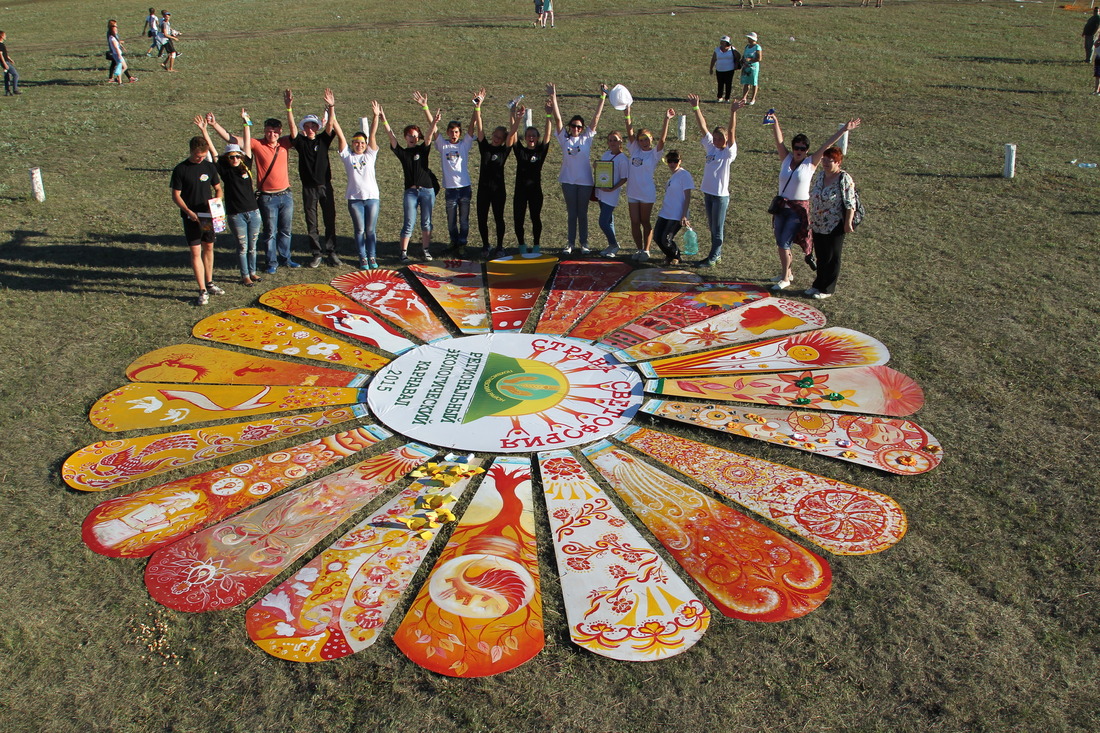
(967, 88)
(98, 263)
(61, 82)
(960, 176)
(1008, 60)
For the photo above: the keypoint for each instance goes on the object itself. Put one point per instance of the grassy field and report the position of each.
(984, 618)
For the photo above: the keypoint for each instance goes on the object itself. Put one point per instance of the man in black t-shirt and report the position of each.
(315, 174)
(1092, 25)
(11, 76)
(194, 182)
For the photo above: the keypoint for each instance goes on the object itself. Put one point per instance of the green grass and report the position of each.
(982, 619)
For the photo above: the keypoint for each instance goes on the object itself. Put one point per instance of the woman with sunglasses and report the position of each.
(791, 222)
(242, 212)
(576, 178)
(362, 191)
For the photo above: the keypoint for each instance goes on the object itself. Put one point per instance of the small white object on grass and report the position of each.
(36, 184)
(364, 125)
(681, 127)
(792, 39)
(1010, 160)
(527, 118)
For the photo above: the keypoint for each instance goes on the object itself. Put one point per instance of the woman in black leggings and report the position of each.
(530, 155)
(491, 189)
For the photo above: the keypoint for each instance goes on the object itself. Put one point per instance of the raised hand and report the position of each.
(693, 100)
(852, 124)
(329, 98)
(200, 121)
(670, 113)
(479, 97)
(552, 89)
(421, 99)
(210, 119)
(288, 98)
(375, 107)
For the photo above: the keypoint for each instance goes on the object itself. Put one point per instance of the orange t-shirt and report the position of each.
(273, 158)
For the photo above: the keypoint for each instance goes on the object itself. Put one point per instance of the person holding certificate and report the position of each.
(641, 191)
(611, 171)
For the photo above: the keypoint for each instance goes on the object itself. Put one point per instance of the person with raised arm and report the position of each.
(194, 182)
(272, 155)
(530, 155)
(720, 147)
(362, 191)
(420, 183)
(491, 188)
(791, 217)
(641, 190)
(315, 175)
(242, 211)
(454, 151)
(576, 167)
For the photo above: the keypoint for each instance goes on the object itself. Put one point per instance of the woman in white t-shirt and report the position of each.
(641, 191)
(720, 147)
(576, 178)
(675, 209)
(723, 62)
(791, 224)
(362, 191)
(608, 196)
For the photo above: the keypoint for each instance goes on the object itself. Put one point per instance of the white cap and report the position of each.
(724, 39)
(232, 148)
(310, 118)
(751, 37)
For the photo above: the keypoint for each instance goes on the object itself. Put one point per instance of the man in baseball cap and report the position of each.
(312, 144)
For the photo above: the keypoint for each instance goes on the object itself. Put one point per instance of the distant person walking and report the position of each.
(11, 76)
(166, 37)
(152, 24)
(723, 62)
(194, 182)
(750, 69)
(118, 60)
(1092, 25)
(548, 12)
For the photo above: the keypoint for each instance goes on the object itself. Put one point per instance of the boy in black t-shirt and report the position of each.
(11, 76)
(194, 182)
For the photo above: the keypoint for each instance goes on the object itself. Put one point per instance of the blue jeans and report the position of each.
(364, 220)
(716, 207)
(785, 225)
(246, 227)
(424, 197)
(458, 214)
(11, 79)
(607, 223)
(277, 212)
(576, 209)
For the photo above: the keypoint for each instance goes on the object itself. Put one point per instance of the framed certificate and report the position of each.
(605, 173)
(217, 214)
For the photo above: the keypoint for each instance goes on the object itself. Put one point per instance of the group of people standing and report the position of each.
(726, 60)
(253, 176)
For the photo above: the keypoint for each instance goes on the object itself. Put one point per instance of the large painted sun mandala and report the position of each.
(491, 405)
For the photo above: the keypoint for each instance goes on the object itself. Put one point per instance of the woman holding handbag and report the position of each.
(790, 210)
(833, 203)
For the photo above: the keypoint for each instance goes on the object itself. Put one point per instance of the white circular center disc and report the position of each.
(505, 393)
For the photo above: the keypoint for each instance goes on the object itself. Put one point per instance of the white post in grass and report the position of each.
(1010, 160)
(36, 184)
(364, 125)
(842, 143)
(682, 127)
(527, 118)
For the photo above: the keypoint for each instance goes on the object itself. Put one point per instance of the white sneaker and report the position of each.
(567, 251)
(584, 250)
(203, 298)
(811, 292)
(780, 285)
(610, 251)
(821, 296)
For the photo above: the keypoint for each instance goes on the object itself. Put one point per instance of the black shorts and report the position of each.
(198, 231)
(168, 46)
